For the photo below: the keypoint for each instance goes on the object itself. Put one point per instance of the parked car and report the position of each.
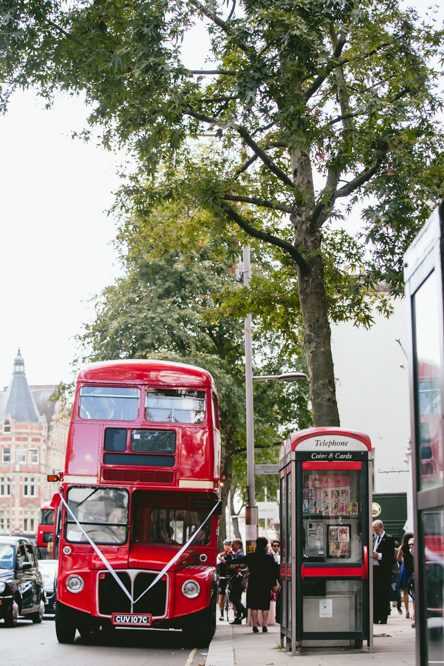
(49, 573)
(21, 582)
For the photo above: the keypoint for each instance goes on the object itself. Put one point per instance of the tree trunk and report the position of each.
(235, 519)
(312, 297)
(317, 341)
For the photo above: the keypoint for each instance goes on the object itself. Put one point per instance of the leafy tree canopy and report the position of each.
(313, 105)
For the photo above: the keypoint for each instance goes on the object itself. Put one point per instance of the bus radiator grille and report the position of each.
(112, 598)
(154, 601)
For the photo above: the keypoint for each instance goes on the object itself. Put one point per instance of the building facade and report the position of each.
(33, 430)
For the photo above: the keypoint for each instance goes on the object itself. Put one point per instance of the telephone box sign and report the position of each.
(330, 442)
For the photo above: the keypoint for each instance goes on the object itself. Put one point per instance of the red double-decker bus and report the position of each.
(46, 540)
(140, 502)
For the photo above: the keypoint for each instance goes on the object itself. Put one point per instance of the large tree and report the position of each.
(310, 104)
(167, 305)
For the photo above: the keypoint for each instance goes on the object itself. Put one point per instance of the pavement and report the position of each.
(237, 645)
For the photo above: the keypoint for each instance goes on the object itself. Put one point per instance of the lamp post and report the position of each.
(251, 510)
(10, 490)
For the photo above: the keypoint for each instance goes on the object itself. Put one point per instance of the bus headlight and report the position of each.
(191, 589)
(2, 587)
(75, 583)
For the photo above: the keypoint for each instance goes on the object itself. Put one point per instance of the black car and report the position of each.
(21, 582)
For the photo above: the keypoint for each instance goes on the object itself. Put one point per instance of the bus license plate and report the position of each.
(131, 619)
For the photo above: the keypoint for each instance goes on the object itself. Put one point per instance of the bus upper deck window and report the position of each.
(175, 406)
(109, 403)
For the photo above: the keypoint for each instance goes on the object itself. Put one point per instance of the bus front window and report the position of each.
(175, 526)
(102, 514)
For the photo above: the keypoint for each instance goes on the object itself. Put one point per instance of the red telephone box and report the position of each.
(325, 482)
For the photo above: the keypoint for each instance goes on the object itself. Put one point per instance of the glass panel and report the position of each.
(289, 515)
(101, 512)
(47, 517)
(6, 556)
(109, 403)
(175, 406)
(175, 526)
(332, 605)
(115, 439)
(136, 460)
(332, 526)
(283, 508)
(433, 529)
(153, 441)
(430, 449)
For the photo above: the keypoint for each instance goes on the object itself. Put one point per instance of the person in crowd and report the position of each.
(405, 557)
(383, 557)
(275, 550)
(237, 582)
(395, 594)
(262, 580)
(222, 561)
(411, 581)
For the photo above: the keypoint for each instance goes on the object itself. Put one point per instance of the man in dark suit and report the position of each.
(383, 558)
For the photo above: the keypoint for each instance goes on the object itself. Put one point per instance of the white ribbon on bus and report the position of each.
(113, 571)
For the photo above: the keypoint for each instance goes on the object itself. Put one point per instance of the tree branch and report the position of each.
(211, 15)
(265, 158)
(249, 141)
(330, 193)
(212, 72)
(216, 100)
(233, 8)
(319, 80)
(224, 25)
(326, 199)
(360, 112)
(264, 236)
(360, 180)
(257, 201)
(245, 166)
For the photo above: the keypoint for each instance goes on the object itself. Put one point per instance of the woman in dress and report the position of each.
(405, 557)
(262, 580)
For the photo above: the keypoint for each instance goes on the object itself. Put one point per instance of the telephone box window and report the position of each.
(330, 510)
(109, 403)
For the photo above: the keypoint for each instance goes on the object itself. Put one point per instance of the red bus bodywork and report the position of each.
(154, 459)
(45, 530)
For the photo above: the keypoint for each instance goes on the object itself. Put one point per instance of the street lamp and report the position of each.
(251, 511)
(285, 377)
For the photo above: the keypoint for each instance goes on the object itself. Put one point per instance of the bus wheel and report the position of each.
(65, 624)
(205, 627)
(85, 628)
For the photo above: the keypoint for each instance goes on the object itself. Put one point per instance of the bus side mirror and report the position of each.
(53, 477)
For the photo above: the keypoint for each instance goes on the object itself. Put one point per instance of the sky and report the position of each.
(56, 235)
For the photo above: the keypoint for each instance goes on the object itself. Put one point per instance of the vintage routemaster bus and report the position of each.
(140, 502)
(46, 540)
